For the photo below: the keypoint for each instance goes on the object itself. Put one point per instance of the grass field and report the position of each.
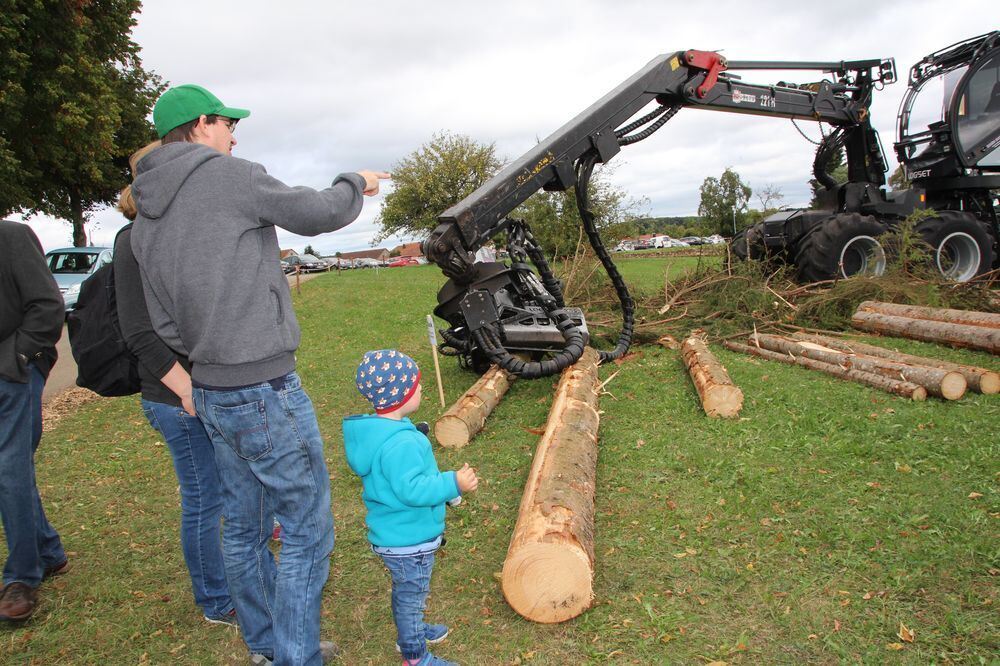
(807, 531)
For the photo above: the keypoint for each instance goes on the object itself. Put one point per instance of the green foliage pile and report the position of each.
(729, 299)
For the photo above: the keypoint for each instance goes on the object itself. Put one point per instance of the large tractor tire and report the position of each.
(841, 246)
(738, 246)
(748, 243)
(961, 246)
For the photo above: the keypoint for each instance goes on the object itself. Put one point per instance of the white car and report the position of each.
(367, 262)
(70, 266)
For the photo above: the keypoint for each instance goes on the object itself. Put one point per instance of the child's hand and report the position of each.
(467, 479)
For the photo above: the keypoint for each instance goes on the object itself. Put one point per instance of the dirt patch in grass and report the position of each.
(66, 403)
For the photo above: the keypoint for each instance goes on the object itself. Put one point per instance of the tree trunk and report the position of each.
(947, 315)
(466, 417)
(980, 380)
(941, 383)
(895, 386)
(548, 573)
(719, 396)
(78, 221)
(957, 335)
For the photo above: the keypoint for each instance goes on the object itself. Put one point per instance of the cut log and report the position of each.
(947, 315)
(548, 573)
(895, 386)
(719, 396)
(466, 417)
(941, 383)
(981, 380)
(957, 335)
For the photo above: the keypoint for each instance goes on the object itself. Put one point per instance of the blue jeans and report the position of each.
(411, 583)
(201, 503)
(270, 457)
(32, 543)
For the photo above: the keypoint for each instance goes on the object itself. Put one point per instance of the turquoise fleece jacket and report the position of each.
(404, 491)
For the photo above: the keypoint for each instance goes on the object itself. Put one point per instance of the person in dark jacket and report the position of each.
(166, 402)
(31, 321)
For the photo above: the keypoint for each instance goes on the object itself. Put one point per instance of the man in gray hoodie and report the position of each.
(207, 249)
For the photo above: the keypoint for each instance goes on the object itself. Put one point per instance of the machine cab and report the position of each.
(976, 115)
(953, 107)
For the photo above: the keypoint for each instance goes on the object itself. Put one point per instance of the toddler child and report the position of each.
(404, 493)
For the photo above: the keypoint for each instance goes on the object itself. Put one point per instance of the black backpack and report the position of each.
(103, 362)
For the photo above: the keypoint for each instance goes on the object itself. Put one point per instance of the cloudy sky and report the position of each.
(336, 86)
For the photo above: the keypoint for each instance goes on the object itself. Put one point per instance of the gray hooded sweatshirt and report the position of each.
(207, 250)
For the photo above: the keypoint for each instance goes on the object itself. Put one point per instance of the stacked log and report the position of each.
(947, 315)
(898, 387)
(983, 335)
(980, 380)
(548, 573)
(944, 384)
(719, 396)
(468, 415)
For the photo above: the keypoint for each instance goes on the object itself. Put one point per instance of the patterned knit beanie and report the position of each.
(387, 378)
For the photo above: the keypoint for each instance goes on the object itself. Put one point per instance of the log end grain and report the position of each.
(452, 432)
(953, 386)
(989, 383)
(548, 582)
(723, 401)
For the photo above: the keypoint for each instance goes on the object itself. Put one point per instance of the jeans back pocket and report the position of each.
(244, 428)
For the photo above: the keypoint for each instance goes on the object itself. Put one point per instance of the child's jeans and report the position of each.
(411, 583)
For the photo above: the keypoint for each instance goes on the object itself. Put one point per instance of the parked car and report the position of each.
(667, 241)
(338, 263)
(307, 263)
(403, 261)
(624, 247)
(367, 262)
(694, 240)
(70, 266)
(286, 267)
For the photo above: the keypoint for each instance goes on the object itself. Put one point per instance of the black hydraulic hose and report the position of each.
(452, 340)
(486, 338)
(584, 169)
(827, 149)
(667, 112)
(652, 115)
(549, 280)
(566, 357)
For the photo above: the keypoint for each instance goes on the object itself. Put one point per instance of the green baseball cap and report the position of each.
(184, 103)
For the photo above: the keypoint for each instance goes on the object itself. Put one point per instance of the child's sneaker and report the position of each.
(433, 634)
(429, 660)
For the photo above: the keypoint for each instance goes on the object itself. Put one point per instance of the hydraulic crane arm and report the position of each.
(694, 79)
(494, 309)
